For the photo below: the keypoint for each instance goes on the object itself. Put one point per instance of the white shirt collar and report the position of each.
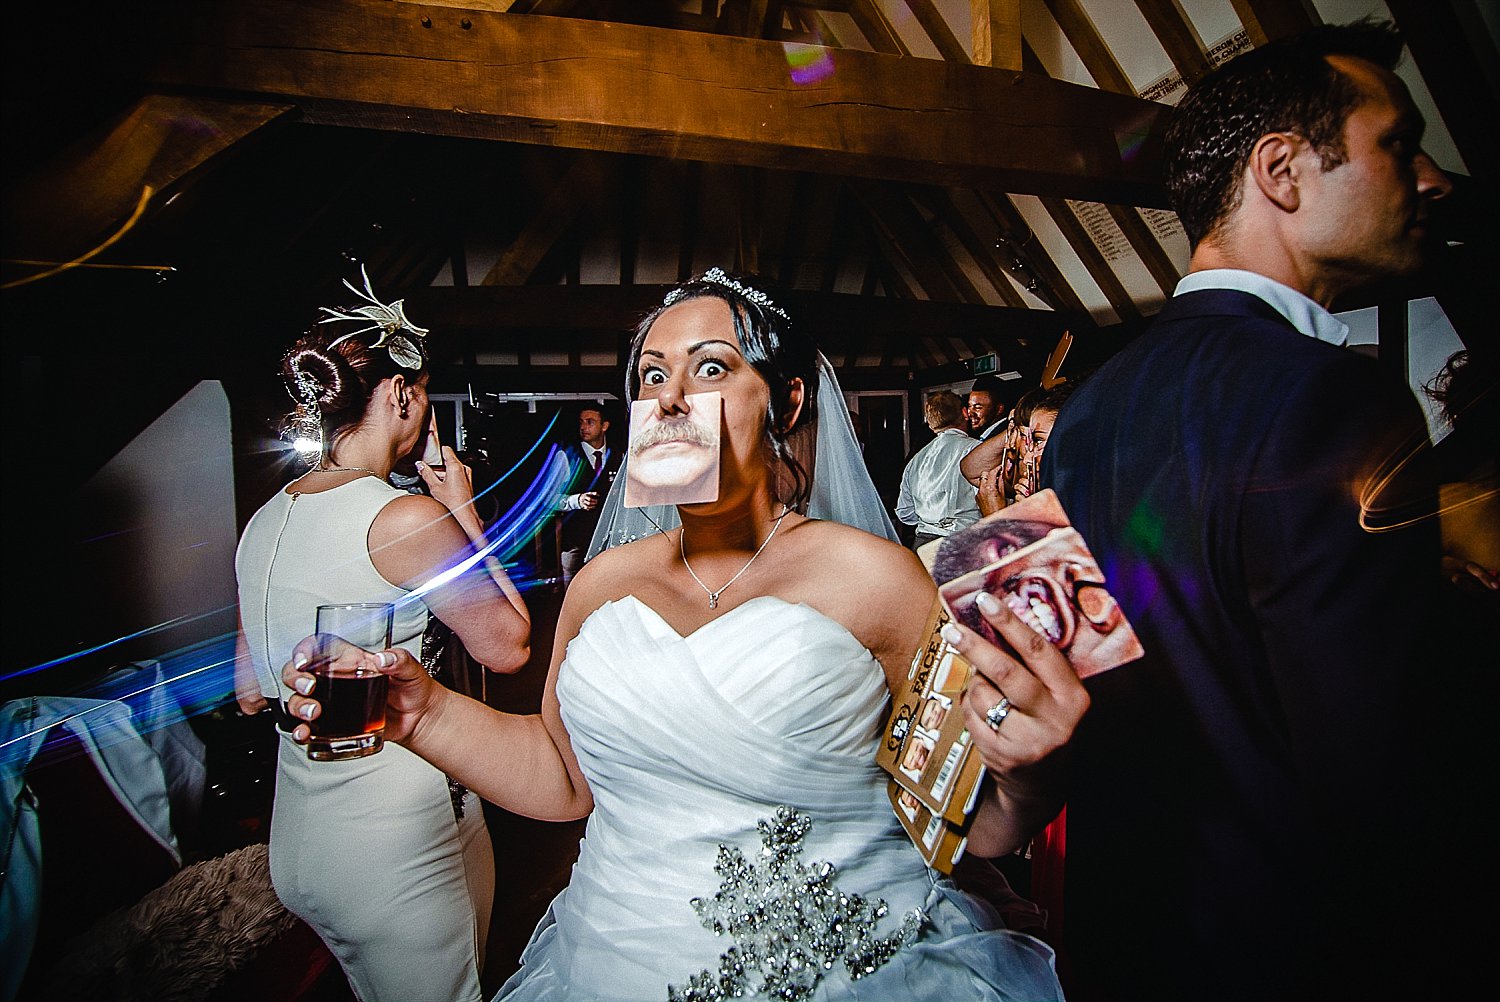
(1301, 312)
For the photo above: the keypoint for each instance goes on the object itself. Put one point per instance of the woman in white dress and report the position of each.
(714, 705)
(355, 843)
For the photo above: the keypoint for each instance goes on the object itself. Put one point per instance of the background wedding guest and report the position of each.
(596, 463)
(988, 406)
(1246, 814)
(995, 466)
(934, 496)
(392, 868)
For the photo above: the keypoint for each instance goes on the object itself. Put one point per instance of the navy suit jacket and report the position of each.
(578, 525)
(1240, 797)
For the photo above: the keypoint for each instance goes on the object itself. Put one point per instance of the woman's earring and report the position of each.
(403, 412)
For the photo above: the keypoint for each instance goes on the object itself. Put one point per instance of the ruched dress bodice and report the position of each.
(687, 743)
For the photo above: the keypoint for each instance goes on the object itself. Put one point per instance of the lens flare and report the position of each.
(808, 63)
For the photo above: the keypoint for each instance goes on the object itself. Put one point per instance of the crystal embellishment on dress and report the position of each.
(790, 921)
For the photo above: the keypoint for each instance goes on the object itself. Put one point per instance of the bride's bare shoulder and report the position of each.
(618, 571)
(841, 543)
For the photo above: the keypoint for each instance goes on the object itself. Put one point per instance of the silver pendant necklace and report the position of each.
(713, 596)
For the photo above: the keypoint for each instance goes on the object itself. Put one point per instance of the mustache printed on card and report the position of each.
(675, 460)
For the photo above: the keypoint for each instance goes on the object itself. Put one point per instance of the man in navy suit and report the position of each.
(594, 464)
(1244, 802)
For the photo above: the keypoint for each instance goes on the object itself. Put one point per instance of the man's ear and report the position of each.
(1276, 163)
(795, 395)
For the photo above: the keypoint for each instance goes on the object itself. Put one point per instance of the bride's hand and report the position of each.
(1045, 699)
(408, 696)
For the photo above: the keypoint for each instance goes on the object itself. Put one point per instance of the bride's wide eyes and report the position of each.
(711, 368)
(652, 376)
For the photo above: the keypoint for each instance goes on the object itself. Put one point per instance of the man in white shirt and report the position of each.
(935, 497)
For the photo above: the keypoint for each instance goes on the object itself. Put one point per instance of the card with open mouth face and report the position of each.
(674, 460)
(1031, 558)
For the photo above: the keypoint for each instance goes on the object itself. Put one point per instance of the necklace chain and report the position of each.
(345, 469)
(713, 596)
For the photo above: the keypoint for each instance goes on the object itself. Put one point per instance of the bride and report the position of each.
(714, 704)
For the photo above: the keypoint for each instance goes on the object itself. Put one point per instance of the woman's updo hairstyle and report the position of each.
(332, 376)
(774, 348)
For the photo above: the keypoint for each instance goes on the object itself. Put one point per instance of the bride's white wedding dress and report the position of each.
(688, 743)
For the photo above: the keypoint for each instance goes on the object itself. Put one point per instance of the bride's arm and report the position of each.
(521, 762)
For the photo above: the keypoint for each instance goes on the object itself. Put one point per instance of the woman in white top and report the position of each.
(392, 868)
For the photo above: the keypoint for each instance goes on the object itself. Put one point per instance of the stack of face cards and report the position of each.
(1030, 558)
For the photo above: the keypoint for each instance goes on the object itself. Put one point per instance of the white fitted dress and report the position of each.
(367, 852)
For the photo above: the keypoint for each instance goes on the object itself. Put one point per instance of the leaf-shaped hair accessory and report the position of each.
(389, 319)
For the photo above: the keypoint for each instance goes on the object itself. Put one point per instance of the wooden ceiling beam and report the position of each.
(1093, 262)
(656, 91)
(1052, 286)
(499, 315)
(1162, 270)
(910, 237)
(982, 251)
(997, 33)
(1178, 36)
(938, 32)
(1265, 20)
(69, 204)
(1078, 28)
(553, 218)
(1448, 64)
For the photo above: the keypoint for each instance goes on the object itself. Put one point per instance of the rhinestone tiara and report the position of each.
(748, 293)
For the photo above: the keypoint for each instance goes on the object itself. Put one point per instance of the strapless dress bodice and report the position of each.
(689, 743)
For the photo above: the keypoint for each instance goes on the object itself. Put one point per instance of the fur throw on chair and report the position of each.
(180, 941)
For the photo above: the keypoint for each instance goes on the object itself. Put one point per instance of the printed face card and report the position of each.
(1031, 558)
(674, 460)
(926, 746)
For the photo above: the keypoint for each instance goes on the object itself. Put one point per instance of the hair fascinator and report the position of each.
(389, 319)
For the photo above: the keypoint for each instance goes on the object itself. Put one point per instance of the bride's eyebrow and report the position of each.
(700, 345)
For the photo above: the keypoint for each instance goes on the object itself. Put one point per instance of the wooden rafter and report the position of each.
(940, 204)
(997, 33)
(936, 27)
(1178, 36)
(1456, 80)
(657, 91)
(1162, 270)
(1091, 47)
(1268, 19)
(1053, 288)
(877, 28)
(553, 218)
(69, 205)
(1093, 262)
(909, 237)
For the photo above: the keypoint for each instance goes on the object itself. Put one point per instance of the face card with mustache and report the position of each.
(674, 460)
(1031, 558)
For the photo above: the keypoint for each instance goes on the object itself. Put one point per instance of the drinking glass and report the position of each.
(352, 722)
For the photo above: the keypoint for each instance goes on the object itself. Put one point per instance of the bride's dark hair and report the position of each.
(774, 348)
